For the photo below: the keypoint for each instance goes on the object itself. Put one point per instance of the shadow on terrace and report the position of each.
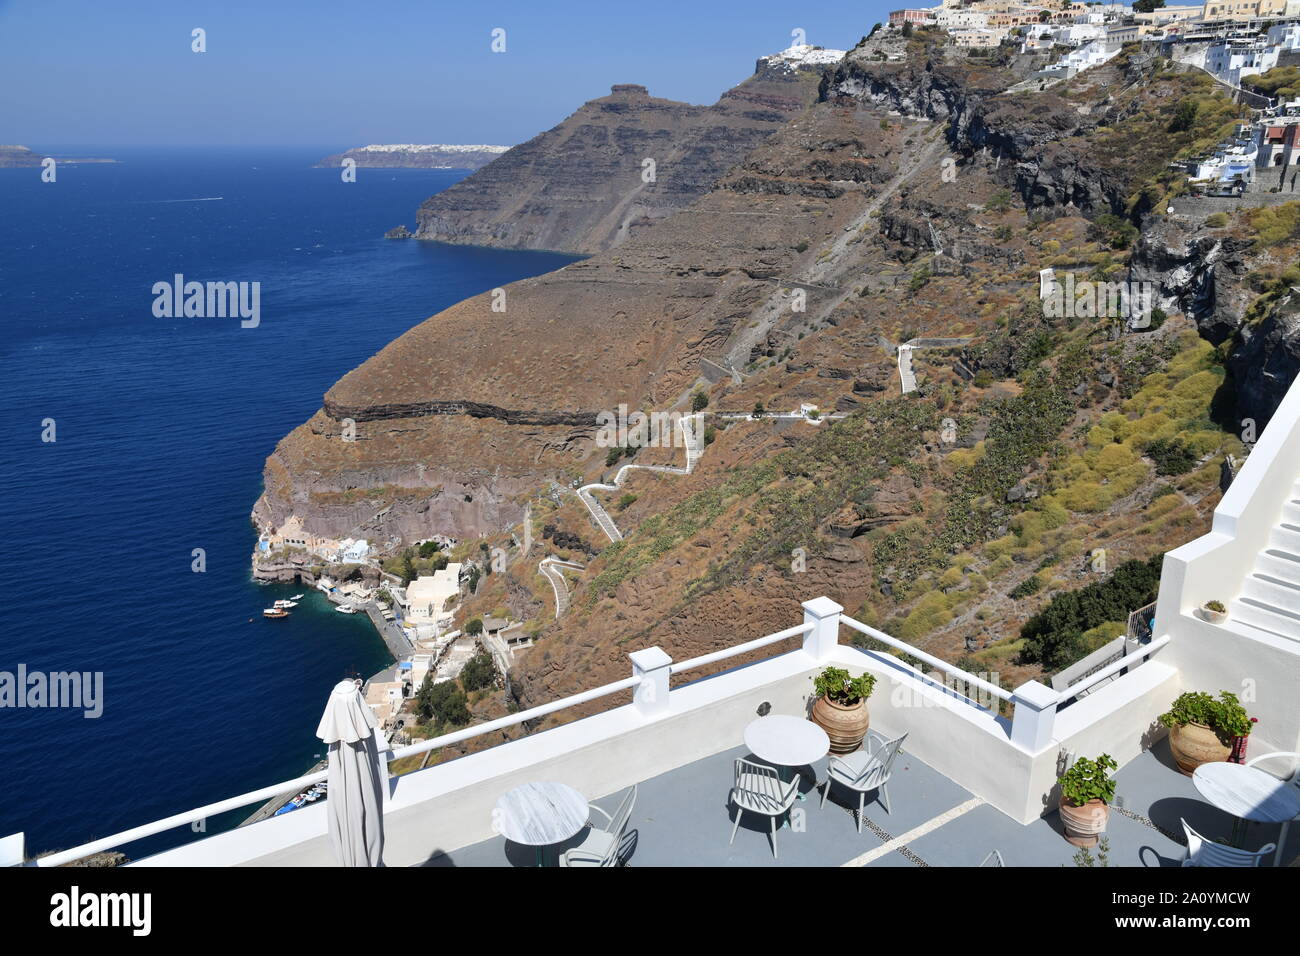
(684, 818)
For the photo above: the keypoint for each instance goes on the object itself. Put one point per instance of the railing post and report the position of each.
(1032, 724)
(653, 666)
(824, 615)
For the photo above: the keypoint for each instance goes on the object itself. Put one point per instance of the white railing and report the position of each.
(433, 743)
(935, 662)
(1099, 675)
(298, 783)
(1031, 728)
(799, 630)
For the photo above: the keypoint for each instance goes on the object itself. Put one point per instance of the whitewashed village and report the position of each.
(1232, 41)
(413, 596)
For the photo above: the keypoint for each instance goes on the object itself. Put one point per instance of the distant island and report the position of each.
(21, 156)
(415, 156)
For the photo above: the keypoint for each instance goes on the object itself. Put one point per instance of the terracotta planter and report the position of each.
(1084, 825)
(1195, 744)
(844, 725)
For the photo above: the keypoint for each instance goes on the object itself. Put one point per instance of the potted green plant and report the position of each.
(1202, 728)
(1086, 792)
(841, 707)
(1214, 612)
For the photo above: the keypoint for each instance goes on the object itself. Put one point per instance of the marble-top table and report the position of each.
(787, 742)
(1249, 793)
(540, 814)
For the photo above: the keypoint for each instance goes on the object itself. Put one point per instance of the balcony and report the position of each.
(682, 819)
(970, 779)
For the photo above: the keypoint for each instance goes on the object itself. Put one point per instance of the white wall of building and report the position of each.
(1215, 657)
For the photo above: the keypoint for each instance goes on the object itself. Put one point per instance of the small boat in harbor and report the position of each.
(302, 799)
(274, 613)
(286, 604)
(346, 609)
(296, 597)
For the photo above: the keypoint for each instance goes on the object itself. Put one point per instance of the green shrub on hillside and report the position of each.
(1171, 456)
(444, 702)
(478, 672)
(1281, 81)
(1030, 585)
(1054, 636)
(1275, 225)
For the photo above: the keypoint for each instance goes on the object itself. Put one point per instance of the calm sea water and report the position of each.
(162, 427)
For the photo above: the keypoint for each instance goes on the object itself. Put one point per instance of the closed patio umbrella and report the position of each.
(356, 777)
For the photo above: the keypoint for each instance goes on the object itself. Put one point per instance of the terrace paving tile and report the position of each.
(682, 818)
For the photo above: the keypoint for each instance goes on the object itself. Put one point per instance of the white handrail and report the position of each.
(275, 790)
(532, 713)
(797, 631)
(1129, 660)
(933, 661)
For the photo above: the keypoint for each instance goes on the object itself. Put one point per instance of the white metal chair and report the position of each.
(759, 789)
(994, 859)
(1292, 777)
(1203, 852)
(865, 770)
(603, 846)
(1291, 755)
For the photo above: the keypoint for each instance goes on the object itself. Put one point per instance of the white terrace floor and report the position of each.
(682, 818)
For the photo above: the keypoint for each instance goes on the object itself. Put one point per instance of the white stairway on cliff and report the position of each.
(692, 430)
(1270, 595)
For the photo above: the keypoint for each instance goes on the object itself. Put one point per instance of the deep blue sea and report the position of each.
(162, 427)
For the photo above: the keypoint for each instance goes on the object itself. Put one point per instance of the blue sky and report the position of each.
(325, 72)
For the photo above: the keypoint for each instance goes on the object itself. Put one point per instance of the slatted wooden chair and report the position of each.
(865, 770)
(604, 845)
(759, 789)
(1203, 852)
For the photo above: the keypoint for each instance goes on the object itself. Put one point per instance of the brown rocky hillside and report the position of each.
(915, 200)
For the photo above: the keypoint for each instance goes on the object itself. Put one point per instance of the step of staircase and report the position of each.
(1291, 511)
(1279, 563)
(1286, 537)
(1266, 617)
(1273, 591)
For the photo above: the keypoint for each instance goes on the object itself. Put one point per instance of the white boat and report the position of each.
(286, 604)
(346, 609)
(274, 612)
(296, 597)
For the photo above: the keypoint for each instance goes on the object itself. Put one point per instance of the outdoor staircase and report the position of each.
(906, 377)
(552, 567)
(1270, 596)
(692, 427)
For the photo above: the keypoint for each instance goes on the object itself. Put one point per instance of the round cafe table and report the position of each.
(1248, 793)
(540, 814)
(787, 742)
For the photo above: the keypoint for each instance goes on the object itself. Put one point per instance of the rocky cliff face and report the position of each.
(613, 168)
(897, 207)
(1214, 276)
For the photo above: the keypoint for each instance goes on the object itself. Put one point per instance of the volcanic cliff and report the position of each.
(915, 201)
(616, 166)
